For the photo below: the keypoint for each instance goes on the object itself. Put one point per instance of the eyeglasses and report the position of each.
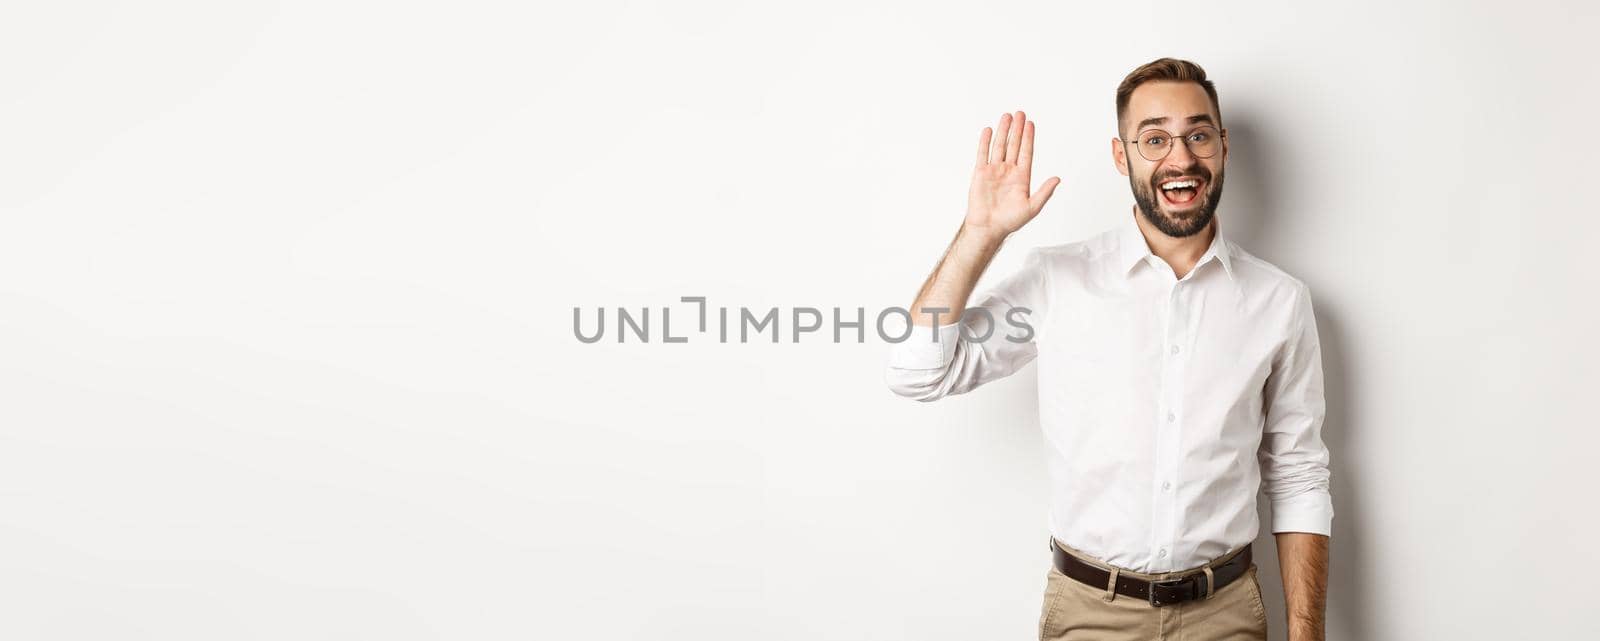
(1203, 142)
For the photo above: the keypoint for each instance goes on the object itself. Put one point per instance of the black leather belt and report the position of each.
(1157, 593)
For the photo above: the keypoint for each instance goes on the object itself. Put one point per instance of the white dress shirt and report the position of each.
(1166, 403)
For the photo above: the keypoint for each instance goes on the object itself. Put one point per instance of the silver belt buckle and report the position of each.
(1150, 595)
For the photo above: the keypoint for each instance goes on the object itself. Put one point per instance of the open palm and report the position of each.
(999, 199)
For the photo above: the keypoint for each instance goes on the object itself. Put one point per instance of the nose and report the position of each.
(1179, 155)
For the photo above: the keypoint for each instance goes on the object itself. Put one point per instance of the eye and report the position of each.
(1155, 141)
(1199, 137)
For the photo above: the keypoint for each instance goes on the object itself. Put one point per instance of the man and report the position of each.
(1178, 375)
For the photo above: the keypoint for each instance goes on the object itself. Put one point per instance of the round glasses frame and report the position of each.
(1222, 134)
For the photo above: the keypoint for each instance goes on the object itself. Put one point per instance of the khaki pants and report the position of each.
(1075, 611)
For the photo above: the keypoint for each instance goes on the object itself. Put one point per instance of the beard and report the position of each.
(1177, 225)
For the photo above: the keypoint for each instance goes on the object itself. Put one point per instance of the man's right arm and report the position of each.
(953, 279)
(935, 361)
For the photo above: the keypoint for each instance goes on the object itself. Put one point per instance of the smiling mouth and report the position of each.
(1181, 192)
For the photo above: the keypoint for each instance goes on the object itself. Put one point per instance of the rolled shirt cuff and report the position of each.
(926, 348)
(1310, 512)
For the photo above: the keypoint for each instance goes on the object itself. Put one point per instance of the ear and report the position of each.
(1119, 155)
(1224, 147)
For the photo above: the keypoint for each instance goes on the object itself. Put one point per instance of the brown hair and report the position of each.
(1167, 69)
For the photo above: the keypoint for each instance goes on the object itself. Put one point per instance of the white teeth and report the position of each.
(1179, 183)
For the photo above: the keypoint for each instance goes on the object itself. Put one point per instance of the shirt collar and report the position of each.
(1133, 248)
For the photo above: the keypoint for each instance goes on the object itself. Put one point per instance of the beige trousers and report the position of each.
(1075, 611)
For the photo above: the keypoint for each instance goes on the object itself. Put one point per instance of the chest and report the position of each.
(1115, 344)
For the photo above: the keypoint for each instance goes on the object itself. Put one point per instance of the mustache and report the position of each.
(1200, 172)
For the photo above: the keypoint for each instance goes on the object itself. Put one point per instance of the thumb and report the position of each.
(1043, 193)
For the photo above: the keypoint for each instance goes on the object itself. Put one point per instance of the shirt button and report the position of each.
(1162, 554)
(1166, 485)
(1174, 349)
(1171, 417)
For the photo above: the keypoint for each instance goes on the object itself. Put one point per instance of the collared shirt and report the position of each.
(1166, 403)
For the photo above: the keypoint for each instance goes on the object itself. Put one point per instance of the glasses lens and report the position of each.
(1154, 144)
(1204, 142)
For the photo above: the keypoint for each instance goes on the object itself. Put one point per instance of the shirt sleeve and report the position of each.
(994, 339)
(1294, 460)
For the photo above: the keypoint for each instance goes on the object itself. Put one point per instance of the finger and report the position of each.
(1042, 195)
(1025, 154)
(983, 145)
(1014, 137)
(997, 147)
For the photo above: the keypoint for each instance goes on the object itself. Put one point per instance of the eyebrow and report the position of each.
(1205, 118)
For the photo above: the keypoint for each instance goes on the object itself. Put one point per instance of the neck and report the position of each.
(1179, 253)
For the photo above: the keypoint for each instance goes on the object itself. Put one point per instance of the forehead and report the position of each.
(1175, 101)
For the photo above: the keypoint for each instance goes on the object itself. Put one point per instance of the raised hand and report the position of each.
(999, 201)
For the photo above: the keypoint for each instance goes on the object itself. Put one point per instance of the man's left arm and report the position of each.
(1294, 472)
(1303, 561)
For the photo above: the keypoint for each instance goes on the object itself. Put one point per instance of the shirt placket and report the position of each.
(1176, 325)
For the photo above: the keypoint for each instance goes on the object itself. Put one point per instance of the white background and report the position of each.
(286, 293)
